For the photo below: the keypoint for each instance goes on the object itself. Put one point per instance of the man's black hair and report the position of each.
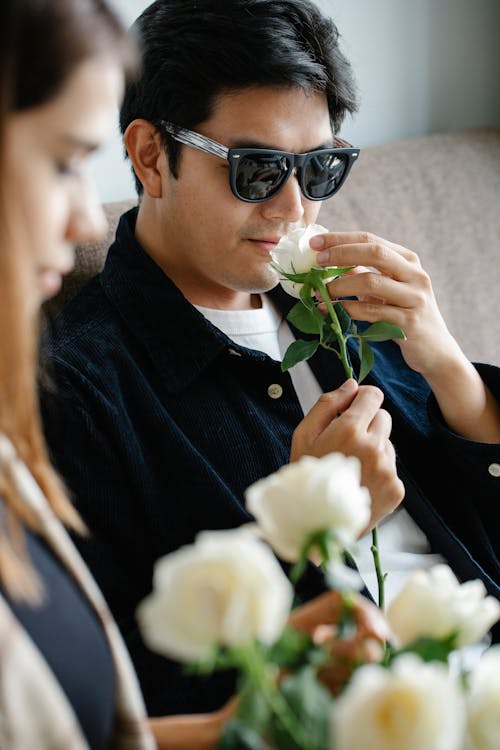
(195, 50)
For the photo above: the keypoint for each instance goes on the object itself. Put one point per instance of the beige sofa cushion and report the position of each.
(438, 195)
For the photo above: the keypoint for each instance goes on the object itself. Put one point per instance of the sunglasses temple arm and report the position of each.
(201, 142)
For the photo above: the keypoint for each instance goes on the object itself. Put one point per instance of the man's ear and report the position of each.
(144, 147)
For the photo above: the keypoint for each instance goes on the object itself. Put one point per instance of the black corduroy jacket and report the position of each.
(159, 422)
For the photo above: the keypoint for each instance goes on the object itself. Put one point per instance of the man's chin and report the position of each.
(264, 283)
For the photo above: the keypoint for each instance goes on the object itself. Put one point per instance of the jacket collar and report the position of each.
(179, 340)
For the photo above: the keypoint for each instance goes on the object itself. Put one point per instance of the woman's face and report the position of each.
(46, 154)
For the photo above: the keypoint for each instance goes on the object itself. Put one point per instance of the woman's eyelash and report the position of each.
(67, 169)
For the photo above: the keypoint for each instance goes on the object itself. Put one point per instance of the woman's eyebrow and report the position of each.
(83, 144)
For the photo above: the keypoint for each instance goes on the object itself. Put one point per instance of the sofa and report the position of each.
(438, 195)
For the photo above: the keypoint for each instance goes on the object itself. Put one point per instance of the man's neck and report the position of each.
(234, 301)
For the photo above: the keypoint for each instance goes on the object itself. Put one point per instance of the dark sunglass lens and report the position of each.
(323, 174)
(258, 176)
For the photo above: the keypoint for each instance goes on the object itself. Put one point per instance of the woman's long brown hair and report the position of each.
(41, 43)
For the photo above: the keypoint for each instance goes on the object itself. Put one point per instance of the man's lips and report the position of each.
(266, 244)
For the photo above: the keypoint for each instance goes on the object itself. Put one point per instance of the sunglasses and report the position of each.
(257, 174)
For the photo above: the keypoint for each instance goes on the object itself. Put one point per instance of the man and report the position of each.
(170, 399)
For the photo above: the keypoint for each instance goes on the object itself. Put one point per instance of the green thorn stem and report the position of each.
(255, 667)
(336, 328)
(378, 569)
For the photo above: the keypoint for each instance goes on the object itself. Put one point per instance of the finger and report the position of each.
(352, 425)
(386, 258)
(370, 620)
(325, 608)
(364, 406)
(369, 649)
(358, 269)
(373, 286)
(328, 406)
(332, 240)
(371, 312)
(381, 425)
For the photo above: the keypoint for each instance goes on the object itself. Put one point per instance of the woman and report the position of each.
(65, 677)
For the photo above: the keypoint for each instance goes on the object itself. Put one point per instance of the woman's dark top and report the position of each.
(66, 630)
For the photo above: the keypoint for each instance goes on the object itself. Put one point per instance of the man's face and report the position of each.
(215, 247)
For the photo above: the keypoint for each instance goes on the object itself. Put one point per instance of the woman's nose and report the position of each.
(87, 222)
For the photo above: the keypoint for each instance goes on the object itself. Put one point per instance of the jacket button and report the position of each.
(276, 391)
(494, 470)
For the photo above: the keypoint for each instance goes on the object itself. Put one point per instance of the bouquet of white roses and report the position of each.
(224, 602)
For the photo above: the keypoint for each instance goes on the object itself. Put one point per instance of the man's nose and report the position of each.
(287, 205)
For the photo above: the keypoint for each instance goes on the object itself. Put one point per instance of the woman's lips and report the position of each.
(49, 281)
(50, 278)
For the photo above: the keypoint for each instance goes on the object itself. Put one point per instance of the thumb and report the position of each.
(329, 405)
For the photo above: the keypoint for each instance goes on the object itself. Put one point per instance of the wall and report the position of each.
(422, 66)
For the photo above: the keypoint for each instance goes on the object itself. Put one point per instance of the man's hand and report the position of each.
(390, 285)
(350, 420)
(319, 618)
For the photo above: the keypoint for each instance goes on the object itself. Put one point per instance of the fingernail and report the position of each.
(323, 256)
(349, 385)
(317, 241)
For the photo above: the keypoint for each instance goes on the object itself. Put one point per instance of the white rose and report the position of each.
(310, 495)
(292, 254)
(483, 703)
(411, 706)
(434, 603)
(227, 588)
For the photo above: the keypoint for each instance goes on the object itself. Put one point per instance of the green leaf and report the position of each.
(313, 274)
(299, 278)
(305, 319)
(298, 351)
(216, 658)
(237, 736)
(310, 702)
(318, 274)
(346, 625)
(253, 709)
(298, 569)
(381, 331)
(336, 271)
(305, 294)
(366, 358)
(430, 649)
(343, 317)
(292, 648)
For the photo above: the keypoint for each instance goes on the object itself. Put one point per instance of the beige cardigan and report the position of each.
(34, 711)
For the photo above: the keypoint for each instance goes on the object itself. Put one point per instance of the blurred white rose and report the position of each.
(292, 254)
(483, 703)
(227, 589)
(411, 706)
(309, 495)
(434, 603)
